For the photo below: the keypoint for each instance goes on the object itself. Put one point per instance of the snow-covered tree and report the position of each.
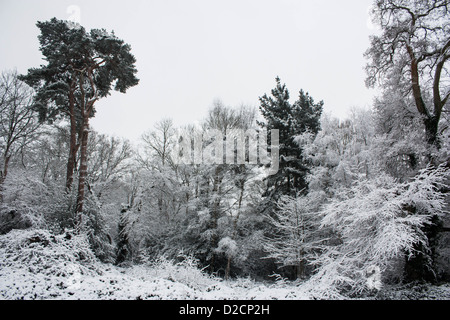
(375, 222)
(220, 188)
(296, 234)
(340, 152)
(110, 160)
(412, 53)
(82, 67)
(400, 146)
(18, 123)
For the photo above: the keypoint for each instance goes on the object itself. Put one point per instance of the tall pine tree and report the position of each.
(291, 120)
(82, 67)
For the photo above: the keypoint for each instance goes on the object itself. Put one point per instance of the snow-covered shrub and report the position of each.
(12, 219)
(36, 263)
(227, 246)
(375, 222)
(96, 227)
(39, 251)
(27, 201)
(186, 271)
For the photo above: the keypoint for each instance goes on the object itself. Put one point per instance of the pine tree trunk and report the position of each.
(72, 143)
(83, 167)
(86, 108)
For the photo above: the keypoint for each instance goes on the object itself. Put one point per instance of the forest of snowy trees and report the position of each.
(355, 204)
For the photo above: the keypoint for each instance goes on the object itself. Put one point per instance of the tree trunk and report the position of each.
(123, 245)
(83, 167)
(430, 121)
(73, 148)
(300, 268)
(4, 173)
(215, 213)
(437, 100)
(227, 270)
(431, 129)
(86, 108)
(235, 225)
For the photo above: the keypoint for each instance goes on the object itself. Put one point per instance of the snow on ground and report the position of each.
(38, 265)
(35, 264)
(415, 291)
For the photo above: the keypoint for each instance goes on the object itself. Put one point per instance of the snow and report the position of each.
(35, 264)
(228, 246)
(116, 283)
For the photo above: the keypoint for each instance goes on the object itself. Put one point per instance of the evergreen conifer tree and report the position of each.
(291, 120)
(82, 68)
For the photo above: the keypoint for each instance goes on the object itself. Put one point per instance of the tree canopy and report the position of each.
(412, 54)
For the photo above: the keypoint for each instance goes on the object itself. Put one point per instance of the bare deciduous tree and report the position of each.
(18, 124)
(412, 53)
(109, 160)
(159, 141)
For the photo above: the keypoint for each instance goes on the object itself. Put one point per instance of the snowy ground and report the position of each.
(131, 284)
(38, 265)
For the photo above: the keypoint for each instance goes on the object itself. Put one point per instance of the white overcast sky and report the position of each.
(191, 52)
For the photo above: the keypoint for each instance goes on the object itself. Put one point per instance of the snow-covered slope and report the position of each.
(34, 264)
(38, 265)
